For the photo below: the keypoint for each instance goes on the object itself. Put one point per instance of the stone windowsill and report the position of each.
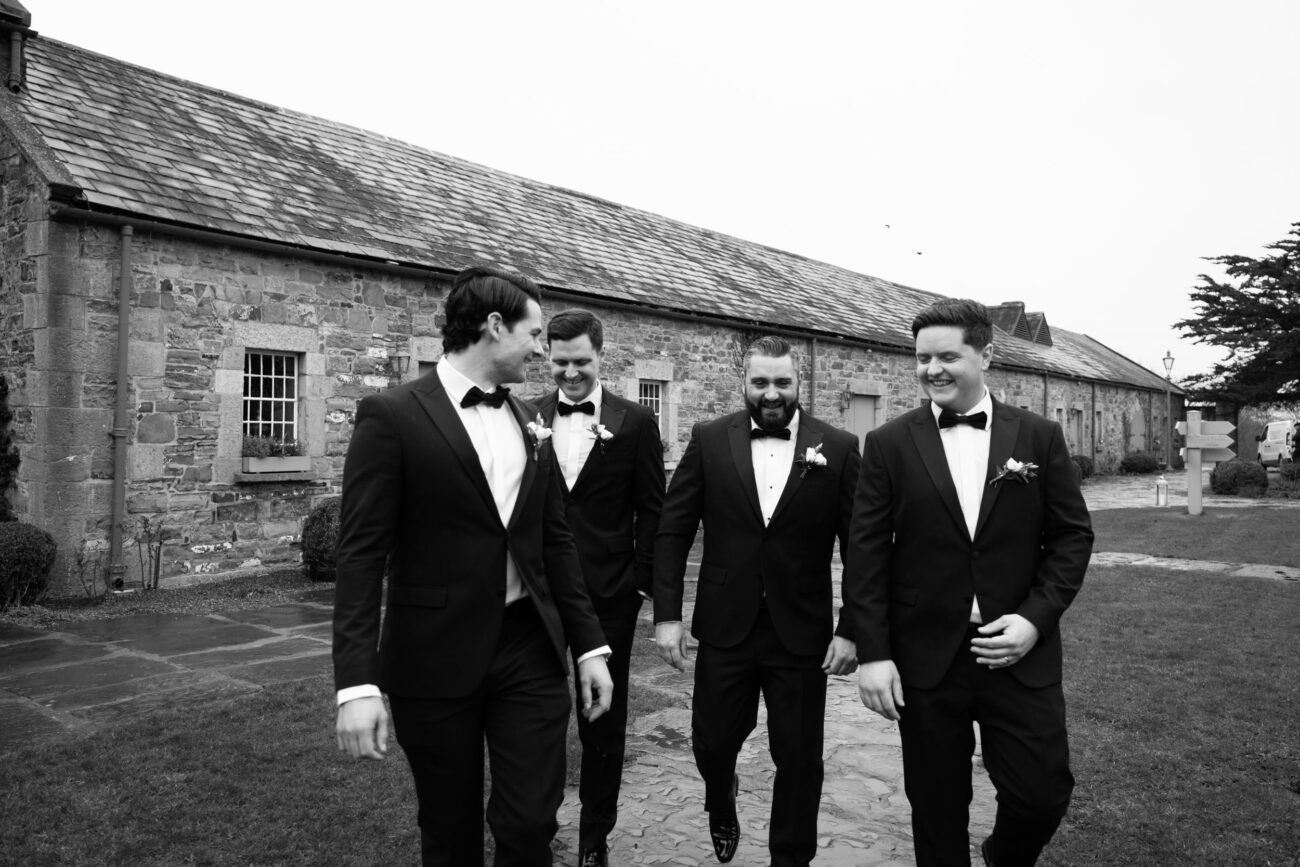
(254, 478)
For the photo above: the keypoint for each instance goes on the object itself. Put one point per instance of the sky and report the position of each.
(1081, 158)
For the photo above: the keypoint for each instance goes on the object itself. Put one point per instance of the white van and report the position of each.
(1276, 442)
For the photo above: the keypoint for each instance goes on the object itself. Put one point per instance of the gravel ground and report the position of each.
(257, 590)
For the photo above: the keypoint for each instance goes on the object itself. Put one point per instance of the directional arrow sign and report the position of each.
(1217, 427)
(1204, 440)
(1181, 427)
(1212, 455)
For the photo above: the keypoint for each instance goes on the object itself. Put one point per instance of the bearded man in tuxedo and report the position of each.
(773, 487)
(970, 539)
(450, 489)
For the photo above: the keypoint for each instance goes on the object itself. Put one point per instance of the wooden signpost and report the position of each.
(1205, 441)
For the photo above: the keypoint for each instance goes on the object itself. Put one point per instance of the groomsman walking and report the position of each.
(612, 460)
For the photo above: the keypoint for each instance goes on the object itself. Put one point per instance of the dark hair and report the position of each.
(481, 290)
(572, 324)
(770, 346)
(970, 316)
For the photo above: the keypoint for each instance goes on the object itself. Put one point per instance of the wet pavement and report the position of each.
(74, 680)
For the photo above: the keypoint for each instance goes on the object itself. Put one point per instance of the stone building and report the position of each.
(182, 267)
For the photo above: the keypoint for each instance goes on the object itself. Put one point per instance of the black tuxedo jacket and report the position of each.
(613, 509)
(913, 568)
(789, 560)
(417, 505)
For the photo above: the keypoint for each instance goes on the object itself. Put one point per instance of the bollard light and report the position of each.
(1162, 491)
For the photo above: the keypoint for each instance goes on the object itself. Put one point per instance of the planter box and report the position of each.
(292, 464)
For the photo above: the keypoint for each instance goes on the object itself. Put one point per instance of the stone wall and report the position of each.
(197, 307)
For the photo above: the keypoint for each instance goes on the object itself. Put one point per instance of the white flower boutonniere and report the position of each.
(812, 457)
(1014, 469)
(602, 435)
(540, 434)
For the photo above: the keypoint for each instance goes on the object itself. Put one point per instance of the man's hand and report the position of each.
(362, 728)
(596, 685)
(670, 638)
(1010, 637)
(880, 688)
(841, 657)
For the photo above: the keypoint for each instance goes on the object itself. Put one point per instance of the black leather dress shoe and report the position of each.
(986, 851)
(724, 827)
(597, 856)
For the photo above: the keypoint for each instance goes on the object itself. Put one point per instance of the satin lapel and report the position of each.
(530, 455)
(804, 441)
(612, 418)
(925, 434)
(437, 404)
(1002, 439)
(546, 406)
(743, 458)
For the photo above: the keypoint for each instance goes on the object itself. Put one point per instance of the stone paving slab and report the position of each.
(162, 693)
(25, 723)
(284, 670)
(287, 616)
(227, 657)
(1237, 570)
(45, 652)
(46, 684)
(12, 633)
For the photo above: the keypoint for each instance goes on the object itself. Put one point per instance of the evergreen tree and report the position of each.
(1255, 315)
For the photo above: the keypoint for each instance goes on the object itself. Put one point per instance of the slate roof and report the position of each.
(139, 142)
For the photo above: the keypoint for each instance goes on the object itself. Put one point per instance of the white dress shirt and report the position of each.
(967, 451)
(572, 436)
(772, 461)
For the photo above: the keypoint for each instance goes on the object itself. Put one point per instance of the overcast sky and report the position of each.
(1081, 158)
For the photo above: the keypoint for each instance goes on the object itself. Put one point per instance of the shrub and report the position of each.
(1239, 477)
(1290, 471)
(266, 447)
(1139, 462)
(8, 454)
(26, 555)
(320, 534)
(1085, 465)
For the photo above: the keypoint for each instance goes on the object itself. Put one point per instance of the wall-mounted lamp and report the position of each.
(400, 361)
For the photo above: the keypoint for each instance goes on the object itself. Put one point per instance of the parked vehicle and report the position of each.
(1277, 443)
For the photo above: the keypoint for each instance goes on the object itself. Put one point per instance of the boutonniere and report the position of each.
(540, 434)
(602, 435)
(1013, 469)
(812, 457)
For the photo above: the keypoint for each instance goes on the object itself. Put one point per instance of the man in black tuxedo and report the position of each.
(970, 539)
(773, 487)
(612, 461)
(450, 488)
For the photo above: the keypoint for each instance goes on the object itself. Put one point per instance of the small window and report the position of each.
(650, 394)
(271, 395)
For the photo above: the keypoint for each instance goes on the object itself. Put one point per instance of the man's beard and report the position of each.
(756, 412)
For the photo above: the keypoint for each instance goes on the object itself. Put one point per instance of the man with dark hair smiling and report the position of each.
(449, 489)
(612, 461)
(969, 541)
(773, 487)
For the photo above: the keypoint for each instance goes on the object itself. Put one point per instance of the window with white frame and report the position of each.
(650, 394)
(271, 395)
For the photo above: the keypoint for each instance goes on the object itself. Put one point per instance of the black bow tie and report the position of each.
(475, 396)
(948, 418)
(586, 408)
(757, 433)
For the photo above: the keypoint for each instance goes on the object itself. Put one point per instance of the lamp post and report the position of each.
(1169, 422)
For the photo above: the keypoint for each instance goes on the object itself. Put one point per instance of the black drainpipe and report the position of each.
(121, 422)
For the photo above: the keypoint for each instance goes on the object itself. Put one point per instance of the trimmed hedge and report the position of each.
(1085, 465)
(1290, 471)
(1138, 463)
(26, 555)
(320, 535)
(1239, 477)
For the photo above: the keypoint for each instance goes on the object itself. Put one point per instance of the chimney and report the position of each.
(15, 27)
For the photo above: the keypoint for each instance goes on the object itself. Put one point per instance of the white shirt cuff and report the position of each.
(365, 690)
(599, 651)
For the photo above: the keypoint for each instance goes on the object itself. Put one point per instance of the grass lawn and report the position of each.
(1235, 535)
(1183, 693)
